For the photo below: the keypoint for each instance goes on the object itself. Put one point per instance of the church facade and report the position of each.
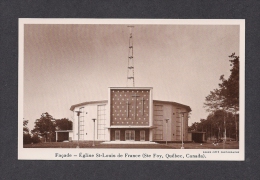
(130, 114)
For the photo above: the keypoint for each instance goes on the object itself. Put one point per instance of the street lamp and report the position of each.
(78, 114)
(94, 132)
(166, 120)
(182, 115)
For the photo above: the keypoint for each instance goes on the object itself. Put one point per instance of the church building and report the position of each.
(130, 114)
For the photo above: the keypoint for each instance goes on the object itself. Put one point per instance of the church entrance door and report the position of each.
(117, 135)
(130, 135)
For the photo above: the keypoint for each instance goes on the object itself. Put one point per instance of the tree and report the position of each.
(26, 135)
(230, 87)
(226, 97)
(25, 128)
(214, 101)
(45, 127)
(35, 139)
(214, 125)
(63, 124)
(198, 126)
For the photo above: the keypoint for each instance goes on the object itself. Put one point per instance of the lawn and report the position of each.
(88, 144)
(207, 145)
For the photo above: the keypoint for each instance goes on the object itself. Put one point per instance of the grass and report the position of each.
(88, 144)
(208, 145)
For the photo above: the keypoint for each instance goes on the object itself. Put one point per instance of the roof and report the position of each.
(154, 101)
(173, 103)
(130, 88)
(197, 132)
(64, 131)
(88, 102)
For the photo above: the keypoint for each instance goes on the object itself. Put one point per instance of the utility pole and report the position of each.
(94, 133)
(182, 131)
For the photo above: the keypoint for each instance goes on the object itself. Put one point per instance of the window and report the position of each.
(130, 135)
(117, 135)
(142, 135)
(158, 122)
(81, 124)
(178, 125)
(101, 121)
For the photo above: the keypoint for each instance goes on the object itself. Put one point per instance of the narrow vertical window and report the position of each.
(81, 124)
(117, 135)
(101, 121)
(142, 135)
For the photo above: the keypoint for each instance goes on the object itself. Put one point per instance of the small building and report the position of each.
(197, 136)
(130, 114)
(64, 135)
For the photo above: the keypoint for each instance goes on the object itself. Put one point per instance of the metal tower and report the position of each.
(130, 68)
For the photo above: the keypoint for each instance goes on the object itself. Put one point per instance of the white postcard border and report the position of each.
(132, 154)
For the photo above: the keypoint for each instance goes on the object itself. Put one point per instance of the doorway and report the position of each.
(142, 135)
(130, 135)
(117, 135)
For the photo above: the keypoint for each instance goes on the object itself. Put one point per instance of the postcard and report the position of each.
(131, 89)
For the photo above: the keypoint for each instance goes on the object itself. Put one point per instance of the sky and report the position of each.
(67, 64)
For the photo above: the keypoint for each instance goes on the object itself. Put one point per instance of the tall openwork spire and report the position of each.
(130, 68)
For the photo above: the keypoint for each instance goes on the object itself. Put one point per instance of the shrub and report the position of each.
(27, 139)
(35, 139)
